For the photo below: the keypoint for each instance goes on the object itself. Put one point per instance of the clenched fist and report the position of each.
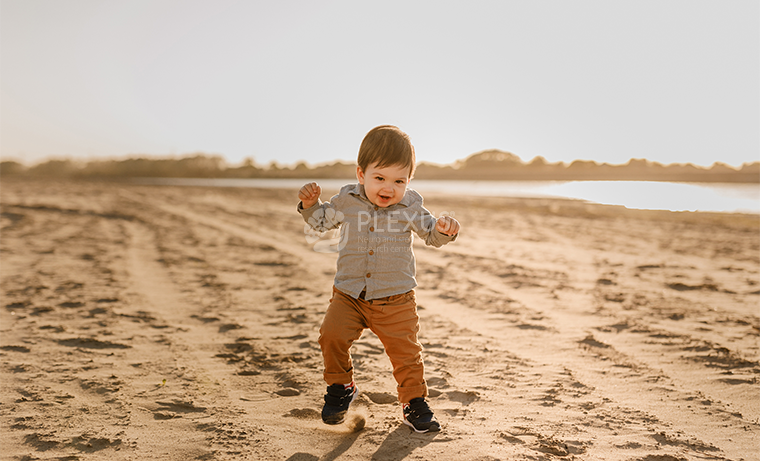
(447, 225)
(309, 194)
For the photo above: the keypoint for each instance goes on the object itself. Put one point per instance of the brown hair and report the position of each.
(387, 145)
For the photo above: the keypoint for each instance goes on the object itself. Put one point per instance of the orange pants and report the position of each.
(393, 319)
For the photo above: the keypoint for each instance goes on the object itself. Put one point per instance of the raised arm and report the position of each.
(322, 217)
(435, 232)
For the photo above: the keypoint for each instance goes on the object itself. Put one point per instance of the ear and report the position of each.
(360, 174)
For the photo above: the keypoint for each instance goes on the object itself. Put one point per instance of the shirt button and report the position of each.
(371, 252)
(372, 229)
(369, 275)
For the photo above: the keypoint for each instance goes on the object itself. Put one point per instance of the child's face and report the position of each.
(384, 186)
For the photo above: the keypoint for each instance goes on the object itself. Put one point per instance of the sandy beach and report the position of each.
(181, 323)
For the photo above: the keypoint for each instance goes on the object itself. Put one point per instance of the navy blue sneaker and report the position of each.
(337, 401)
(419, 416)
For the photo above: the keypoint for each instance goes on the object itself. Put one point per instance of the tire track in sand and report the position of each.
(297, 249)
(555, 346)
(193, 402)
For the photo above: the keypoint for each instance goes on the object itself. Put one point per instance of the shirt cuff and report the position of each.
(440, 239)
(306, 213)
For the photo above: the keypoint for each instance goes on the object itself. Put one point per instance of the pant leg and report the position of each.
(396, 323)
(342, 325)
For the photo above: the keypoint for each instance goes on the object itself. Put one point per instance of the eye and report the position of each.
(379, 178)
(400, 181)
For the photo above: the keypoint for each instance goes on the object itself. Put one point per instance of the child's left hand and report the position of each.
(447, 225)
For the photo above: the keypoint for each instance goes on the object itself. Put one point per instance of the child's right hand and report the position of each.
(309, 194)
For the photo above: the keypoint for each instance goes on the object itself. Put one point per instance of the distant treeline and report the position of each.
(486, 165)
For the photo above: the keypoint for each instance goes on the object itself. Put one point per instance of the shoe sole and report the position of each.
(343, 416)
(436, 428)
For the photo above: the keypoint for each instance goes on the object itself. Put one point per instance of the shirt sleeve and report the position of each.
(323, 216)
(424, 226)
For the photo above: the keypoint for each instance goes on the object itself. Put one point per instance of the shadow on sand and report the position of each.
(397, 446)
(401, 443)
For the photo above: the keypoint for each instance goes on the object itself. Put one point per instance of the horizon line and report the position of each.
(252, 161)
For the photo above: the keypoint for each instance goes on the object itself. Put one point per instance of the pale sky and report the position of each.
(604, 80)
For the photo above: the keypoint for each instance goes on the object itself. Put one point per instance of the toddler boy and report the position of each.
(375, 279)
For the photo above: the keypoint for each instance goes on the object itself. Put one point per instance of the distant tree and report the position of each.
(751, 168)
(722, 168)
(247, 170)
(583, 165)
(199, 166)
(432, 171)
(637, 163)
(538, 162)
(492, 158)
(11, 168)
(54, 168)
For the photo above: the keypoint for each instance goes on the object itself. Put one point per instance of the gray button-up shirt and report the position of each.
(375, 249)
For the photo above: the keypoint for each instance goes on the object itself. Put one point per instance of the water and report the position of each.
(649, 195)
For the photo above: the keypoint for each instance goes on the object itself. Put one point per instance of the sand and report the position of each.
(181, 323)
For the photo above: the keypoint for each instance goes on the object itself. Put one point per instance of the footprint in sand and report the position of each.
(465, 398)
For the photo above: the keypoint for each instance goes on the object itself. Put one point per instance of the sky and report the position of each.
(673, 81)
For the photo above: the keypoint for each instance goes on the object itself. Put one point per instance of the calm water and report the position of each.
(631, 194)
